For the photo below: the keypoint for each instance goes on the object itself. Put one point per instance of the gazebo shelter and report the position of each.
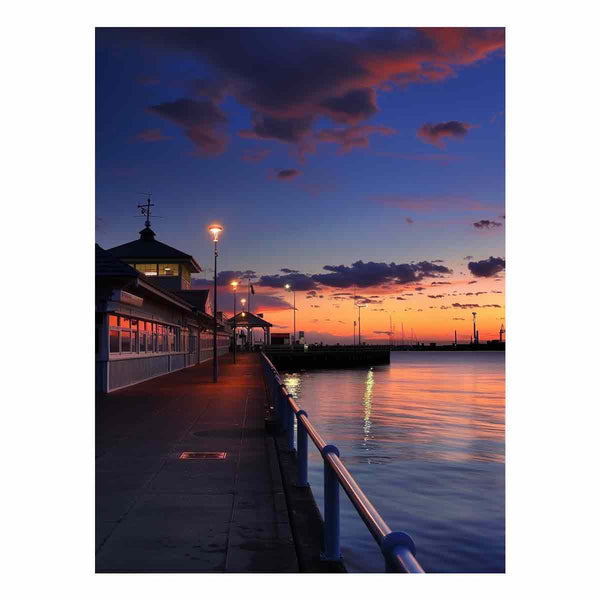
(250, 321)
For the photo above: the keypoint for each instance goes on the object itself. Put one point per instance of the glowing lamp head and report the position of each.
(287, 286)
(243, 314)
(243, 301)
(234, 285)
(215, 230)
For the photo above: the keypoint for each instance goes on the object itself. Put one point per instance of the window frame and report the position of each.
(158, 338)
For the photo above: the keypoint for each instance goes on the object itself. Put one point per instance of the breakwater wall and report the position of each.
(324, 357)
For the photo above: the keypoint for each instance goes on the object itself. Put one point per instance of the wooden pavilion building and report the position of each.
(249, 322)
(148, 320)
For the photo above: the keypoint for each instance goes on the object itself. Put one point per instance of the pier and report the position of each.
(159, 513)
(291, 358)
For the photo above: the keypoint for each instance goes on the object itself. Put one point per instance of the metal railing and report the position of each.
(397, 547)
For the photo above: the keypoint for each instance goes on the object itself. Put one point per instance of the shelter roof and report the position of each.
(249, 320)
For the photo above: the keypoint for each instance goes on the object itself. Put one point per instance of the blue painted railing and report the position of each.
(397, 547)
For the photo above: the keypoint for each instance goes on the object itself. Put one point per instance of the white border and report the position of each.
(48, 138)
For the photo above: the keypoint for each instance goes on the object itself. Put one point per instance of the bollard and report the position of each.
(302, 455)
(331, 490)
(290, 424)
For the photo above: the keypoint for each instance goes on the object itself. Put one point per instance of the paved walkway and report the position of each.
(157, 513)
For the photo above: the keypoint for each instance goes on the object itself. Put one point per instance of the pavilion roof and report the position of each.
(249, 320)
(147, 248)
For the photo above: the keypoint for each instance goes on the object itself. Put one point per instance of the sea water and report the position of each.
(424, 438)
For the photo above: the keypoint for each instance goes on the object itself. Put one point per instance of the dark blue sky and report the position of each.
(376, 128)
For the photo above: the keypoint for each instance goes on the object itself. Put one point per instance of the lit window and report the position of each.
(168, 270)
(137, 335)
(146, 269)
(113, 320)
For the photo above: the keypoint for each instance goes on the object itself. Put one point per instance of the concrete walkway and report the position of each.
(157, 513)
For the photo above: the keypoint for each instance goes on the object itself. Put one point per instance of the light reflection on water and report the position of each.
(424, 438)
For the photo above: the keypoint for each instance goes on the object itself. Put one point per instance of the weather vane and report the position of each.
(146, 210)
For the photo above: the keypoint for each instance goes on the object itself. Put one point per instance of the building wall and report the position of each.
(118, 370)
(123, 372)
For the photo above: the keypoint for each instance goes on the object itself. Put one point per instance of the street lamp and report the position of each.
(359, 306)
(243, 301)
(234, 285)
(288, 287)
(215, 230)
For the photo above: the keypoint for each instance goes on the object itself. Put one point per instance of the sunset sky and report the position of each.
(340, 161)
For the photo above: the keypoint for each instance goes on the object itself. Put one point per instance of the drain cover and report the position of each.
(203, 455)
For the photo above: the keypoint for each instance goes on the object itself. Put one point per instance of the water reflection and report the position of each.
(427, 446)
(367, 401)
(292, 384)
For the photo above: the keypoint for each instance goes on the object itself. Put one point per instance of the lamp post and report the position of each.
(288, 287)
(243, 301)
(234, 285)
(359, 306)
(215, 230)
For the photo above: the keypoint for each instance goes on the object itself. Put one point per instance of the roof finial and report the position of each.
(145, 209)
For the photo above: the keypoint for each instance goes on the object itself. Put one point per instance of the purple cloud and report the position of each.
(435, 134)
(201, 120)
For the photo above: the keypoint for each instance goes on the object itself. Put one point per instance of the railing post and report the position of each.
(275, 395)
(290, 424)
(331, 490)
(302, 454)
(270, 379)
(284, 406)
(280, 403)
